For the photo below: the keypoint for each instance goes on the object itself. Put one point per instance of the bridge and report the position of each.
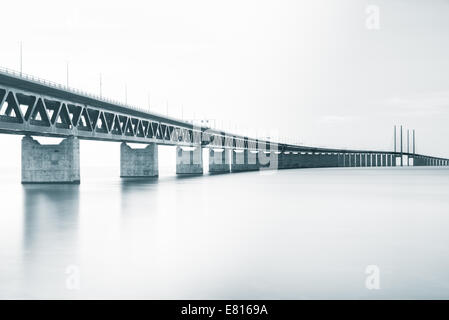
(31, 106)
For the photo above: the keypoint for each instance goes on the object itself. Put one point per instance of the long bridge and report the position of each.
(31, 106)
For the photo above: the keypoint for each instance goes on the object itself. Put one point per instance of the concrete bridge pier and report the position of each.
(295, 160)
(363, 163)
(219, 161)
(379, 160)
(341, 160)
(138, 162)
(287, 160)
(271, 159)
(346, 160)
(333, 160)
(357, 160)
(417, 162)
(244, 160)
(351, 160)
(54, 163)
(189, 161)
(369, 162)
(393, 160)
(384, 160)
(283, 161)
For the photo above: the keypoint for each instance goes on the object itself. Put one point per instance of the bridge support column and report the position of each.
(384, 160)
(332, 160)
(347, 160)
(284, 161)
(417, 162)
(363, 163)
(138, 162)
(189, 161)
(219, 161)
(244, 160)
(393, 160)
(368, 160)
(379, 160)
(341, 160)
(290, 160)
(54, 163)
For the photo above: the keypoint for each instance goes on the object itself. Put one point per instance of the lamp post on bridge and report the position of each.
(394, 147)
(20, 58)
(100, 86)
(67, 74)
(408, 147)
(413, 144)
(402, 164)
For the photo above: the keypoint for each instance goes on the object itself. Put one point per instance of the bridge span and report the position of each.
(34, 107)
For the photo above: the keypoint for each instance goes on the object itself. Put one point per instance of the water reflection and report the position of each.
(293, 234)
(131, 183)
(50, 228)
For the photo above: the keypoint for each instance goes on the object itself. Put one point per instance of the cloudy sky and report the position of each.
(308, 70)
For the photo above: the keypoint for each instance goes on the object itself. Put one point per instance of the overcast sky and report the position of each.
(309, 70)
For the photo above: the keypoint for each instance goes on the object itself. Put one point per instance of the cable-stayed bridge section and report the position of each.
(33, 107)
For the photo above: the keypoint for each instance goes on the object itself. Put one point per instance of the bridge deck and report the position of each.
(30, 106)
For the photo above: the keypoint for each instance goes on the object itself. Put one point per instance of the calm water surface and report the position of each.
(292, 234)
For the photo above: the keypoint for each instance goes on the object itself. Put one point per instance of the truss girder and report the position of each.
(24, 112)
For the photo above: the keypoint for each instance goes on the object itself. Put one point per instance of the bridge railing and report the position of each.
(53, 84)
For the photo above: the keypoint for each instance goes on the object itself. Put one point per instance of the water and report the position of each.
(291, 234)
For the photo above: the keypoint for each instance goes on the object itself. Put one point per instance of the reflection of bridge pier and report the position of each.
(50, 236)
(49, 207)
